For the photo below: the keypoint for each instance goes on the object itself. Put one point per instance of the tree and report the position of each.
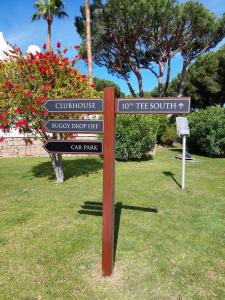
(88, 38)
(201, 31)
(47, 10)
(26, 82)
(129, 36)
(100, 84)
(205, 80)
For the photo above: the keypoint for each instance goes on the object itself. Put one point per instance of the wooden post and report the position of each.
(108, 182)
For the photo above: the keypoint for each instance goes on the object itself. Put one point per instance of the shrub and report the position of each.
(27, 81)
(169, 136)
(135, 136)
(207, 128)
(25, 84)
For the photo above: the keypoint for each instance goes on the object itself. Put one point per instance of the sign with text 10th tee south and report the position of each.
(74, 106)
(176, 105)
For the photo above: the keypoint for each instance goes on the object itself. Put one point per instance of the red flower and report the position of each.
(44, 46)
(40, 99)
(43, 70)
(17, 86)
(14, 95)
(93, 85)
(31, 77)
(27, 93)
(47, 87)
(58, 44)
(65, 50)
(9, 85)
(84, 76)
(22, 123)
(44, 112)
(31, 108)
(19, 110)
(77, 47)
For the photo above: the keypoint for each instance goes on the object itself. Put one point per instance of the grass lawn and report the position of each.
(170, 244)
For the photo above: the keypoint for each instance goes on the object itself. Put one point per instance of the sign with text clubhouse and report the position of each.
(74, 106)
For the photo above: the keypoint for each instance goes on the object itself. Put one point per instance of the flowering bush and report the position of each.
(26, 81)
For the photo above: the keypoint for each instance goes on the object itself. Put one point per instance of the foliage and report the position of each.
(47, 10)
(205, 80)
(169, 136)
(208, 131)
(135, 136)
(139, 38)
(100, 84)
(27, 81)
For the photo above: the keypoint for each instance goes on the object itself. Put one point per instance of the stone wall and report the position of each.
(16, 147)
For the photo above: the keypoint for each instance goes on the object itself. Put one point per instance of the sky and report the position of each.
(17, 28)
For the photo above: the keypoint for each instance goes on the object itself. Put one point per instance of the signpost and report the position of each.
(110, 107)
(72, 126)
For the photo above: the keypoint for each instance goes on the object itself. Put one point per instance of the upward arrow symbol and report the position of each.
(181, 105)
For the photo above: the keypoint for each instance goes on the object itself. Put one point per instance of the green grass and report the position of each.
(170, 243)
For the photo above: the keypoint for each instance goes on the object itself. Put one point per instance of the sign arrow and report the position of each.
(74, 147)
(181, 105)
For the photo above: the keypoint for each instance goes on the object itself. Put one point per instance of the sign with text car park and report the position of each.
(109, 106)
(73, 147)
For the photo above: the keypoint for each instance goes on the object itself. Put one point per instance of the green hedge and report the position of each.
(207, 129)
(136, 136)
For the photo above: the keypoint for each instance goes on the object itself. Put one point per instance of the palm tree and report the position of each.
(88, 40)
(47, 10)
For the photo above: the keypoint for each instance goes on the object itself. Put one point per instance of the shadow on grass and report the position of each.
(95, 209)
(175, 150)
(71, 168)
(170, 174)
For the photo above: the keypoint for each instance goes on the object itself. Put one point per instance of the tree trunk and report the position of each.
(167, 77)
(49, 45)
(137, 72)
(183, 79)
(130, 87)
(160, 78)
(88, 39)
(56, 160)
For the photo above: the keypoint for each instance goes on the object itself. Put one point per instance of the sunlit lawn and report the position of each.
(170, 244)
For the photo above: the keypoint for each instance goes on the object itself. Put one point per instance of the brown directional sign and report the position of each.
(176, 105)
(73, 147)
(74, 106)
(71, 126)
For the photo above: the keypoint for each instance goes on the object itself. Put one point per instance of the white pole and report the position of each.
(183, 162)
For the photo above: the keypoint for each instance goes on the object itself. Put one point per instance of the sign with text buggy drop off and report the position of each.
(74, 106)
(70, 126)
(73, 147)
(166, 105)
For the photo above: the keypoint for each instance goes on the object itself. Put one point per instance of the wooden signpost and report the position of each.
(110, 106)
